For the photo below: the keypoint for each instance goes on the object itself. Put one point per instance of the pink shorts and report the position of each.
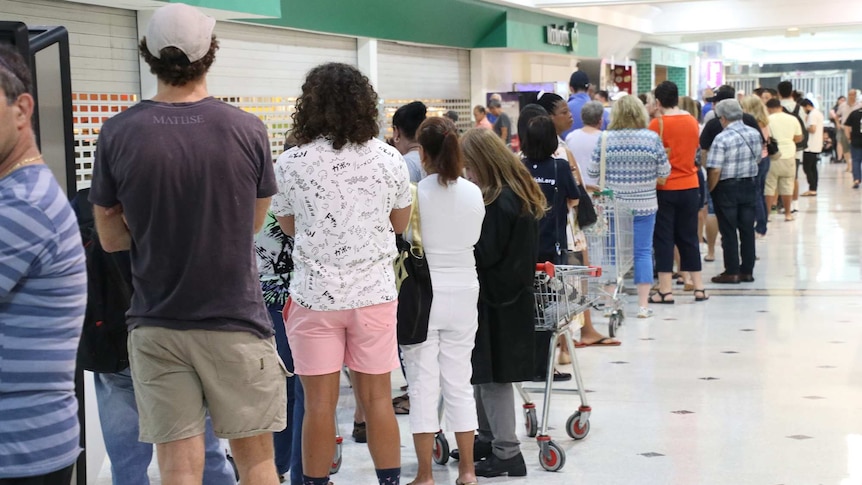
(323, 341)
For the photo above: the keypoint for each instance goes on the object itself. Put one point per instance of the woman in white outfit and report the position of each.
(451, 210)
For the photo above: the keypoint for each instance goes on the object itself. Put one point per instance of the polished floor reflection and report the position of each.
(762, 384)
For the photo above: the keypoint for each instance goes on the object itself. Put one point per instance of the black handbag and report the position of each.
(586, 211)
(413, 281)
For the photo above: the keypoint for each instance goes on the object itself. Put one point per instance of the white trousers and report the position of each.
(443, 361)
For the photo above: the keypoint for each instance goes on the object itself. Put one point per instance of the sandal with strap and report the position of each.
(703, 296)
(662, 298)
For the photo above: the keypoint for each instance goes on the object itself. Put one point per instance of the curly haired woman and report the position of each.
(343, 194)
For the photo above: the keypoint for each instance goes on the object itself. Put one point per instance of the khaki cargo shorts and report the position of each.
(180, 374)
(780, 178)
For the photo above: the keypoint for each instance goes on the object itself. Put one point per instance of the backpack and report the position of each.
(802, 145)
(109, 292)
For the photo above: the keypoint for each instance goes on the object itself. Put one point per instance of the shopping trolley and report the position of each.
(561, 294)
(610, 242)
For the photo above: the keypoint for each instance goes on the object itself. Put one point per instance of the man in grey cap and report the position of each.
(184, 181)
(731, 172)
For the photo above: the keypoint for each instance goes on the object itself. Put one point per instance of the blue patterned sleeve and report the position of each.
(594, 168)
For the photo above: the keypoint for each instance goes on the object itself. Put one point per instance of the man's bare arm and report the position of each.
(260, 209)
(713, 175)
(112, 230)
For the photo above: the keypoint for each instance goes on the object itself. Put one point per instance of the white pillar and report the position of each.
(478, 86)
(149, 83)
(366, 59)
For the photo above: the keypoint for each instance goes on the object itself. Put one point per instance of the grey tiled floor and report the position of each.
(785, 404)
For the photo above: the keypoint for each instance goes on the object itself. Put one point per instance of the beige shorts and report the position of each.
(180, 374)
(780, 178)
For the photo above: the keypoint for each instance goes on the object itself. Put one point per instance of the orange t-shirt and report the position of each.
(682, 136)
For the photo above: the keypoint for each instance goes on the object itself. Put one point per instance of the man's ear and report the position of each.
(24, 106)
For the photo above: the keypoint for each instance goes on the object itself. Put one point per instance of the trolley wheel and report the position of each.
(553, 459)
(574, 428)
(336, 460)
(531, 422)
(440, 451)
(614, 322)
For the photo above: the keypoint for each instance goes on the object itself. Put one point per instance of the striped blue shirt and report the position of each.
(634, 160)
(43, 295)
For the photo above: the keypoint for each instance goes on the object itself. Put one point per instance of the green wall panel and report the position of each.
(266, 8)
(678, 76)
(466, 24)
(454, 23)
(645, 71)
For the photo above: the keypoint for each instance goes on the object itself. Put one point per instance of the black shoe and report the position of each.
(360, 433)
(481, 450)
(558, 377)
(746, 278)
(495, 467)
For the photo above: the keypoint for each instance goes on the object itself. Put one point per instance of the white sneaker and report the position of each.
(645, 312)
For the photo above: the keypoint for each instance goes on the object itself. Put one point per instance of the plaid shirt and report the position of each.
(736, 151)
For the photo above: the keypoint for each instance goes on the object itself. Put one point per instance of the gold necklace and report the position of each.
(20, 164)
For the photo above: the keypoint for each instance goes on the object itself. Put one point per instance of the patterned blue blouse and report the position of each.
(633, 162)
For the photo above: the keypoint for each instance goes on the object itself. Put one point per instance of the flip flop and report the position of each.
(602, 342)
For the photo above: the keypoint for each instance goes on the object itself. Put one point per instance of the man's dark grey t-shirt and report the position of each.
(503, 121)
(188, 176)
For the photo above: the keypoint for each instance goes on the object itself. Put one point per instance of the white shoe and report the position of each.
(645, 312)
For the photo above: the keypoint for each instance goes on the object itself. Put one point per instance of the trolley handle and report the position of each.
(604, 193)
(547, 267)
(595, 271)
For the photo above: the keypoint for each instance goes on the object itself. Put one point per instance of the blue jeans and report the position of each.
(761, 212)
(856, 157)
(283, 440)
(644, 226)
(118, 415)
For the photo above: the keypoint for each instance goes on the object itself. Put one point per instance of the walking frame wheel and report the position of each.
(531, 420)
(440, 451)
(577, 428)
(551, 456)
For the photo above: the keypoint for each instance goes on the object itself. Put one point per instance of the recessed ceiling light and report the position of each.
(793, 29)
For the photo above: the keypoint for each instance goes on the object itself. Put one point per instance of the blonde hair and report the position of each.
(628, 113)
(689, 105)
(493, 166)
(753, 105)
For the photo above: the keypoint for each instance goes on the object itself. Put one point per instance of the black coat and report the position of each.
(506, 263)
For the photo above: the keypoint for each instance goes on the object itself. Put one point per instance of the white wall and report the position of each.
(417, 72)
(102, 41)
(496, 70)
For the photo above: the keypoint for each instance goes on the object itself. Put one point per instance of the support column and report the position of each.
(149, 83)
(366, 59)
(478, 86)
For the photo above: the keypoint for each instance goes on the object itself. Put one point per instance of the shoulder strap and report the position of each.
(415, 224)
(603, 160)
